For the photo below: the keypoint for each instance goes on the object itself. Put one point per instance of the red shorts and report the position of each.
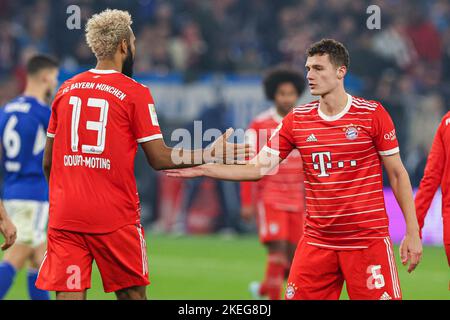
(319, 273)
(278, 225)
(121, 257)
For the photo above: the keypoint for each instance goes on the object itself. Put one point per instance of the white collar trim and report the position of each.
(102, 71)
(276, 116)
(340, 114)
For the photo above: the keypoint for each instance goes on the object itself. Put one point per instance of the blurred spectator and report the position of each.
(187, 49)
(427, 118)
(9, 47)
(393, 43)
(424, 36)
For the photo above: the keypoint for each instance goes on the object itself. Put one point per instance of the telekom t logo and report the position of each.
(323, 164)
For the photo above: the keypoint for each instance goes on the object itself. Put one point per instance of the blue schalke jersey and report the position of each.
(23, 126)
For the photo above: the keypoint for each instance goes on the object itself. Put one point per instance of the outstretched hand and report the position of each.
(185, 173)
(222, 151)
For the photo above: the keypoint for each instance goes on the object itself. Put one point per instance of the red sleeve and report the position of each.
(431, 180)
(144, 121)
(248, 187)
(53, 122)
(383, 132)
(281, 142)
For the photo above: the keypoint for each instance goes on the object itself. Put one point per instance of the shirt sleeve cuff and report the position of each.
(50, 135)
(271, 151)
(149, 138)
(389, 152)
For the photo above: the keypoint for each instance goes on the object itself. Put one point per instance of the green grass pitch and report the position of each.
(213, 267)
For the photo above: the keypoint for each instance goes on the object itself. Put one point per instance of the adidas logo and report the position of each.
(311, 138)
(385, 296)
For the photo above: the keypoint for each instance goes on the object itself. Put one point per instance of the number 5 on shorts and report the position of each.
(376, 279)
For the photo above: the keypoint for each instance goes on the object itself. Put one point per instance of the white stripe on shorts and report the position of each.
(393, 268)
(42, 263)
(143, 251)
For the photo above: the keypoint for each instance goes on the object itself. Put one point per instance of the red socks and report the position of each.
(275, 274)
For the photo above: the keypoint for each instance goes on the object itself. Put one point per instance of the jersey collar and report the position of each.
(340, 114)
(102, 71)
(276, 116)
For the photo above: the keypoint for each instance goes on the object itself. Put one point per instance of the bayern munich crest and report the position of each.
(290, 290)
(351, 133)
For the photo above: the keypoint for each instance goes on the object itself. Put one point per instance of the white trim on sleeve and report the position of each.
(271, 151)
(149, 138)
(50, 135)
(389, 152)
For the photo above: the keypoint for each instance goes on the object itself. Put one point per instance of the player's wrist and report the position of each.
(206, 169)
(413, 230)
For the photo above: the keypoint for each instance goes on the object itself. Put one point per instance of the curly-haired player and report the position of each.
(98, 119)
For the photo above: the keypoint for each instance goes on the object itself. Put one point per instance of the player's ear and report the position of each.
(341, 72)
(44, 76)
(124, 47)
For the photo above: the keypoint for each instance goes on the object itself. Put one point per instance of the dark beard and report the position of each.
(127, 67)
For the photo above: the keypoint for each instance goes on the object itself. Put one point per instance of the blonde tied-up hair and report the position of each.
(105, 30)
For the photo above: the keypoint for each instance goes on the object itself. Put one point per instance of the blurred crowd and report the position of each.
(405, 64)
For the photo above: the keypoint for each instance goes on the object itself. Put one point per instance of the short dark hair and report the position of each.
(40, 62)
(279, 75)
(336, 51)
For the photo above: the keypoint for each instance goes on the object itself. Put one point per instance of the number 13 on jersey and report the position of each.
(99, 126)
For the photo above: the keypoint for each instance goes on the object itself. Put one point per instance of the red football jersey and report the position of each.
(283, 190)
(98, 118)
(437, 173)
(342, 166)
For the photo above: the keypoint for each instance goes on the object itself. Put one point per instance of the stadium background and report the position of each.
(203, 60)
